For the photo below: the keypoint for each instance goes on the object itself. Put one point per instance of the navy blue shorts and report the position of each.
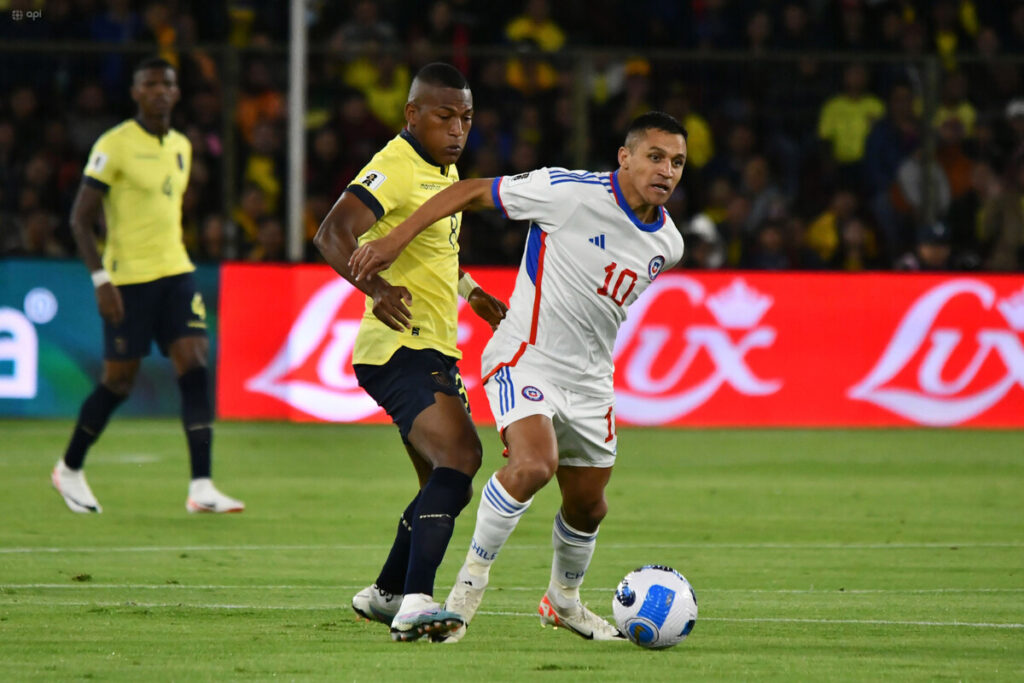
(163, 311)
(406, 384)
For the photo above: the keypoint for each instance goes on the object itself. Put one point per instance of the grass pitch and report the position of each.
(815, 555)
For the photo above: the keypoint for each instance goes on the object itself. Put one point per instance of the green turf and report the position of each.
(816, 555)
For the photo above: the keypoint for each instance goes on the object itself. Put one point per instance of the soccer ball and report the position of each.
(655, 606)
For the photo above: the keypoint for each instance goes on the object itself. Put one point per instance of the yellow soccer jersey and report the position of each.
(396, 182)
(144, 179)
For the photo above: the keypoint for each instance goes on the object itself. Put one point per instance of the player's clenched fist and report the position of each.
(491, 309)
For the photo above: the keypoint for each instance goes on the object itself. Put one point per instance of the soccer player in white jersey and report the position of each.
(596, 241)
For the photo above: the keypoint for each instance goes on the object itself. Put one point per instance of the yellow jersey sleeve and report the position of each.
(104, 160)
(383, 184)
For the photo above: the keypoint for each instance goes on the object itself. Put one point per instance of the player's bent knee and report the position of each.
(119, 384)
(586, 515)
(536, 472)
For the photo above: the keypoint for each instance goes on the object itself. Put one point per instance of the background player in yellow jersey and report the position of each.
(405, 352)
(136, 176)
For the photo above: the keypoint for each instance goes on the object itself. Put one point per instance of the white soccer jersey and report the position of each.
(588, 257)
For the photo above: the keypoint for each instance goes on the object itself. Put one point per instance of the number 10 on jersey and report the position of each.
(624, 275)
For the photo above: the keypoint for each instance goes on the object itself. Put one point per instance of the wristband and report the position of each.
(466, 286)
(99, 278)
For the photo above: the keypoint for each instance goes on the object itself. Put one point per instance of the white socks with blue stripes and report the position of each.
(573, 551)
(496, 519)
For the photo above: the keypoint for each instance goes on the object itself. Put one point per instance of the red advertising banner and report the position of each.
(700, 349)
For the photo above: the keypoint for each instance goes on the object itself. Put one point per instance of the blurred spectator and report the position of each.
(858, 248)
(908, 69)
(535, 25)
(270, 242)
(729, 163)
(251, 209)
(714, 23)
(324, 165)
(795, 32)
(891, 141)
(529, 72)
(956, 165)
(852, 30)
(766, 201)
(733, 231)
(704, 249)
(954, 104)
(1015, 122)
(24, 112)
(932, 250)
(821, 239)
(212, 239)
(89, 118)
(949, 30)
(360, 134)
(388, 90)
(1002, 228)
(119, 24)
(364, 28)
(720, 194)
(769, 250)
(37, 229)
(992, 81)
(263, 165)
(845, 122)
(700, 145)
(907, 197)
(624, 107)
(1014, 29)
(449, 29)
(261, 101)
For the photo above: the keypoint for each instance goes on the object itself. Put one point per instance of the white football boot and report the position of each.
(420, 616)
(376, 604)
(464, 599)
(203, 496)
(73, 487)
(577, 619)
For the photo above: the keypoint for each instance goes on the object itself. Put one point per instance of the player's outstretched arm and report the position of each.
(337, 238)
(85, 214)
(377, 255)
(489, 307)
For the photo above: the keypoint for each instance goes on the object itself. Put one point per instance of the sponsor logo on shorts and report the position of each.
(654, 267)
(532, 393)
(441, 378)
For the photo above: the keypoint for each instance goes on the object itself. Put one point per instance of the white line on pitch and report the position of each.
(609, 546)
(870, 622)
(778, 591)
(318, 608)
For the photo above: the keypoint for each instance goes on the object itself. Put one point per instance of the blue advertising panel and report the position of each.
(51, 343)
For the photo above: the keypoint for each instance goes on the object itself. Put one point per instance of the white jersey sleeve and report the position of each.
(543, 196)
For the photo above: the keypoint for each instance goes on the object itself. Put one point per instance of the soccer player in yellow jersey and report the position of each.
(405, 352)
(136, 177)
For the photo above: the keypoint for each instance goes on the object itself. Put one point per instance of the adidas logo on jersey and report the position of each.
(599, 241)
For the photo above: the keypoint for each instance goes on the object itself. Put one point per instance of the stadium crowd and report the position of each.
(809, 143)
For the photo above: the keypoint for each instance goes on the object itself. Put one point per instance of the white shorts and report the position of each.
(584, 425)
